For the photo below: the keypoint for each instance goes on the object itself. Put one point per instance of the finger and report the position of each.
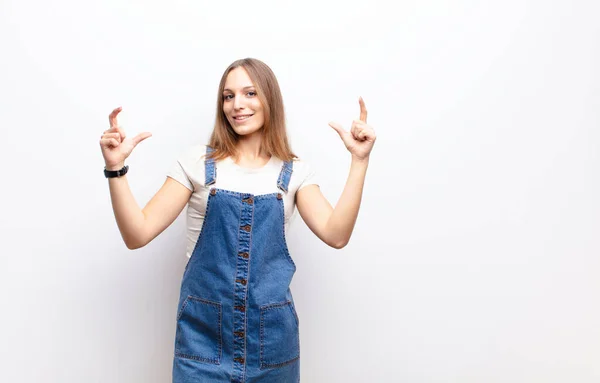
(112, 117)
(338, 128)
(356, 125)
(360, 133)
(116, 136)
(116, 129)
(363, 109)
(367, 134)
(141, 137)
(121, 132)
(354, 130)
(109, 142)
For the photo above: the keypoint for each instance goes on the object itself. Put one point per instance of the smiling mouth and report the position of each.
(242, 118)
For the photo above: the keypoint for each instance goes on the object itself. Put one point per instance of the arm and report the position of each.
(334, 226)
(139, 227)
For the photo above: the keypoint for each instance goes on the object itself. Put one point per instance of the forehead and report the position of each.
(237, 79)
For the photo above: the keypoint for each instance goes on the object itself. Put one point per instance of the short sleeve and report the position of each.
(189, 170)
(178, 173)
(307, 173)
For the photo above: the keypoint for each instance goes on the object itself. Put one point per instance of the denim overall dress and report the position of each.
(236, 320)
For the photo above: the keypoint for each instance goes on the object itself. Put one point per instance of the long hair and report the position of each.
(275, 141)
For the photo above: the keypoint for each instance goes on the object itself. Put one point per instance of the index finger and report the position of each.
(363, 110)
(112, 117)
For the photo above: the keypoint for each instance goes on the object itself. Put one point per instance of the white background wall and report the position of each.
(476, 256)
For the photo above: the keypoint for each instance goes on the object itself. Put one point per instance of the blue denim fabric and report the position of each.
(236, 319)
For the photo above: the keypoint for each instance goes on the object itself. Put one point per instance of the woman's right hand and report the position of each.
(116, 147)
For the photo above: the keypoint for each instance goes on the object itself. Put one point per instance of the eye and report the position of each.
(228, 97)
(251, 93)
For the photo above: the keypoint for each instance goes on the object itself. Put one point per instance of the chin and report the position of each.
(246, 131)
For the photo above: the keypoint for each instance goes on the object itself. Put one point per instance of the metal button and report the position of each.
(248, 200)
(213, 191)
(242, 281)
(240, 308)
(244, 255)
(279, 196)
(239, 360)
(239, 334)
(246, 228)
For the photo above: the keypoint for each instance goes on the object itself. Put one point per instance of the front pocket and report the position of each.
(199, 330)
(279, 337)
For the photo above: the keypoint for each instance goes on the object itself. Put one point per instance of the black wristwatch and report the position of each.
(116, 173)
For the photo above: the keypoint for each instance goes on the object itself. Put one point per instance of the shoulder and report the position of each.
(193, 154)
(301, 167)
(191, 161)
(303, 174)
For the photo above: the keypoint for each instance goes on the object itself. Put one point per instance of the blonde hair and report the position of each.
(275, 141)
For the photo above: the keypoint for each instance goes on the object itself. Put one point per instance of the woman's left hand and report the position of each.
(361, 137)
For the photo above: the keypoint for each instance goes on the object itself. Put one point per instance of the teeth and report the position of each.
(241, 117)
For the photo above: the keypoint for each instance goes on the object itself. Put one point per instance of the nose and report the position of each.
(238, 102)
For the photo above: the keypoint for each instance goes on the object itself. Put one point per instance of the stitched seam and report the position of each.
(248, 288)
(213, 168)
(233, 313)
(198, 358)
(263, 310)
(241, 194)
(218, 306)
(285, 246)
(265, 365)
(199, 235)
(286, 168)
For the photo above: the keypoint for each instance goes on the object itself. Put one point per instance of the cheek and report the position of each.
(260, 118)
(257, 105)
(259, 110)
(227, 113)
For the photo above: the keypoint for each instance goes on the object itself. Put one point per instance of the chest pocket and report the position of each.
(199, 330)
(279, 337)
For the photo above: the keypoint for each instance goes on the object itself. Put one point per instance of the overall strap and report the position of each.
(209, 168)
(285, 175)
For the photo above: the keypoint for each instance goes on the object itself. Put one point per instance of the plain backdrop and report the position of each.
(476, 255)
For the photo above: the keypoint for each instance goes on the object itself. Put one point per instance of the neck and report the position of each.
(249, 148)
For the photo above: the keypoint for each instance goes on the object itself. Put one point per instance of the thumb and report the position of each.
(141, 137)
(338, 128)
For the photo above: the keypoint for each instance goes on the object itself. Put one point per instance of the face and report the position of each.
(241, 105)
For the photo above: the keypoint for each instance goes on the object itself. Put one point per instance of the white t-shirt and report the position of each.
(190, 172)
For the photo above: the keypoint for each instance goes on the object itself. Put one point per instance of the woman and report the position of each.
(236, 320)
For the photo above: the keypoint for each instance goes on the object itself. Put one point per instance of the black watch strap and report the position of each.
(116, 173)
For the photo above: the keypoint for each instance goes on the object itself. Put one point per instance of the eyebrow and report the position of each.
(244, 88)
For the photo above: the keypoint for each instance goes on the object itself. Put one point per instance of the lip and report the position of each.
(235, 118)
